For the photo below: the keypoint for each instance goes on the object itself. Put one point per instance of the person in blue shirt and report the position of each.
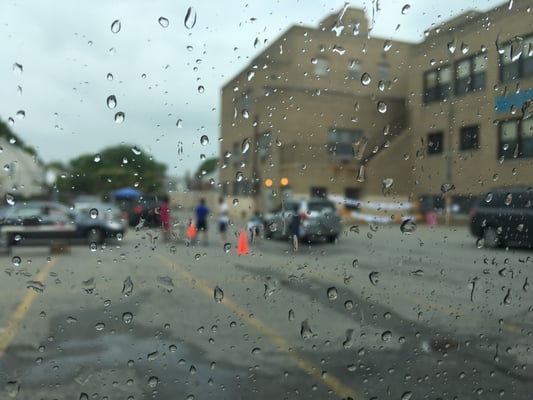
(202, 212)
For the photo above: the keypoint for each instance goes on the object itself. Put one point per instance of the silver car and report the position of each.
(320, 219)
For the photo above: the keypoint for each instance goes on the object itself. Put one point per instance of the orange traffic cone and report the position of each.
(242, 247)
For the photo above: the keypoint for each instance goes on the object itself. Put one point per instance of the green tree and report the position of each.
(208, 166)
(113, 168)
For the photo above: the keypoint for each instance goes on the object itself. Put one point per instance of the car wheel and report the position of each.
(490, 237)
(95, 235)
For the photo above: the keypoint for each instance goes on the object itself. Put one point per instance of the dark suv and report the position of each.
(504, 217)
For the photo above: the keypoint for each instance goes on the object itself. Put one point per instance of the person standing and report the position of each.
(223, 219)
(294, 228)
(202, 213)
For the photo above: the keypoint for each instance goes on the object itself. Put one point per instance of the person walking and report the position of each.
(164, 215)
(202, 213)
(223, 219)
(294, 228)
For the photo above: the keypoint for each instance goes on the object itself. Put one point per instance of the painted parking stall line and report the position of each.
(330, 381)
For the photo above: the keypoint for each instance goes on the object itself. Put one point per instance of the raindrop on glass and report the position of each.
(115, 26)
(163, 22)
(405, 9)
(190, 18)
(127, 317)
(127, 287)
(332, 293)
(111, 101)
(227, 247)
(374, 277)
(291, 315)
(204, 140)
(245, 146)
(153, 381)
(239, 176)
(201, 89)
(135, 150)
(100, 326)
(21, 114)
(508, 199)
(250, 75)
(382, 107)
(361, 174)
(18, 68)
(119, 117)
(488, 197)
(386, 336)
(10, 199)
(366, 79)
(93, 213)
(16, 261)
(179, 123)
(305, 330)
(218, 294)
(408, 226)
(97, 158)
(110, 77)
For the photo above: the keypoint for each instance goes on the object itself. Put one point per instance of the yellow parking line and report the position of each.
(331, 381)
(6, 337)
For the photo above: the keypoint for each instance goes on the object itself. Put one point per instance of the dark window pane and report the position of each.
(435, 143)
(470, 138)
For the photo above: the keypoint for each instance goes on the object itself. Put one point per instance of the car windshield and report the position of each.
(153, 154)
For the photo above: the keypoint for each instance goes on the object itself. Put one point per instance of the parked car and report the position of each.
(504, 217)
(51, 221)
(106, 211)
(320, 219)
(146, 207)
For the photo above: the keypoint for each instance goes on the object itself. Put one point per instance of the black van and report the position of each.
(504, 217)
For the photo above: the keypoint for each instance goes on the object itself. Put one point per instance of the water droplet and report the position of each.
(361, 174)
(245, 114)
(374, 277)
(408, 226)
(12, 388)
(127, 287)
(10, 199)
(201, 89)
(111, 101)
(508, 199)
(97, 158)
(204, 140)
(366, 79)
(93, 213)
(100, 326)
(250, 75)
(348, 342)
(218, 294)
(179, 123)
(382, 107)
(135, 150)
(18, 68)
(348, 304)
(84, 396)
(305, 330)
(332, 293)
(446, 187)
(16, 261)
(227, 247)
(245, 146)
(119, 117)
(507, 298)
(291, 315)
(21, 114)
(166, 282)
(239, 176)
(256, 351)
(451, 47)
(163, 22)
(386, 336)
(387, 45)
(405, 9)
(153, 381)
(407, 395)
(109, 76)
(127, 317)
(37, 286)
(93, 246)
(190, 18)
(115, 26)
(153, 356)
(387, 183)
(488, 197)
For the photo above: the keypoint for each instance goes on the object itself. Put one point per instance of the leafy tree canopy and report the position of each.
(114, 167)
(208, 165)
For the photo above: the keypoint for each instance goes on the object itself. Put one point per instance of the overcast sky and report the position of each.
(67, 50)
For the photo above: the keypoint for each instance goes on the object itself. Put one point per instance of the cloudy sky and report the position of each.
(62, 59)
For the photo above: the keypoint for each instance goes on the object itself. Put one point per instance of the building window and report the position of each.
(437, 84)
(384, 73)
(435, 142)
(470, 74)
(264, 146)
(235, 155)
(321, 65)
(516, 60)
(341, 143)
(516, 139)
(354, 69)
(470, 137)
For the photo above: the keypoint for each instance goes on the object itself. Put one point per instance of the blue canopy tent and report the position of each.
(126, 193)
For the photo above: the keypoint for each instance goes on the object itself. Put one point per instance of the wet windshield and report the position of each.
(182, 135)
